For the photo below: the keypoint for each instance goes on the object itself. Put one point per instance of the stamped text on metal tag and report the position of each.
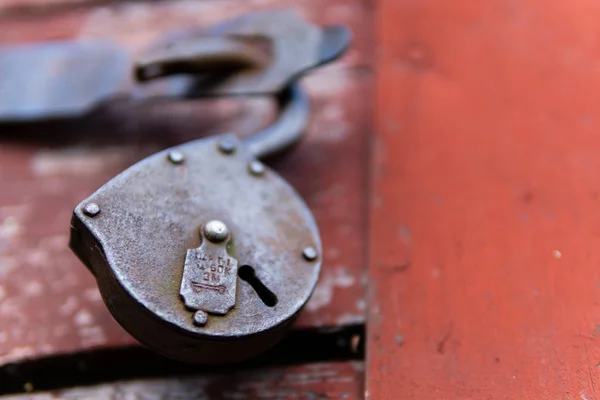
(209, 280)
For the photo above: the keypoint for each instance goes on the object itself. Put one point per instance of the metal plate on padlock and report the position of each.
(209, 281)
(172, 278)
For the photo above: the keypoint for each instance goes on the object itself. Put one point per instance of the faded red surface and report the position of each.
(49, 303)
(484, 251)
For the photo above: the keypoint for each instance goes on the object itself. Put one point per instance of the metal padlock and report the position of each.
(200, 251)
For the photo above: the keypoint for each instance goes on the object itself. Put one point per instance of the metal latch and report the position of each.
(201, 251)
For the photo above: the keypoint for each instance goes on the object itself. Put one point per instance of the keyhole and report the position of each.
(247, 274)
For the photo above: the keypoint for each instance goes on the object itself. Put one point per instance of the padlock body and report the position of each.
(149, 220)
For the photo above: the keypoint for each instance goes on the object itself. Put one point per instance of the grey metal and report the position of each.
(91, 209)
(176, 157)
(200, 318)
(209, 281)
(170, 244)
(202, 55)
(257, 53)
(216, 231)
(309, 253)
(152, 214)
(227, 145)
(288, 129)
(256, 168)
(61, 79)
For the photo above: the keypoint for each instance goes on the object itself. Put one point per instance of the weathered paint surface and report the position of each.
(49, 301)
(342, 380)
(484, 260)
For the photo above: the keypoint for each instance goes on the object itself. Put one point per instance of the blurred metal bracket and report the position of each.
(260, 53)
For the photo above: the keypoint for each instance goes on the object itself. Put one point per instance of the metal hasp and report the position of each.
(259, 53)
(202, 252)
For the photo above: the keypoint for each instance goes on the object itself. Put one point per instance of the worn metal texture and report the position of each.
(486, 179)
(209, 278)
(264, 52)
(257, 53)
(334, 381)
(71, 78)
(52, 306)
(151, 214)
(134, 25)
(288, 129)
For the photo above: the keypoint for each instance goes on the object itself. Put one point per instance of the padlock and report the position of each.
(202, 252)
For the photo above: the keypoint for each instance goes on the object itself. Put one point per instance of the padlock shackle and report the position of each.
(287, 130)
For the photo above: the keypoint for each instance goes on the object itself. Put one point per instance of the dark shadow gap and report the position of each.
(126, 363)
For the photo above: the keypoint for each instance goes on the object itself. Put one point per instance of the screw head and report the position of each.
(91, 209)
(227, 146)
(216, 231)
(200, 318)
(309, 253)
(176, 157)
(256, 168)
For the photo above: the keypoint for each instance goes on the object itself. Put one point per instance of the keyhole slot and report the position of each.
(247, 274)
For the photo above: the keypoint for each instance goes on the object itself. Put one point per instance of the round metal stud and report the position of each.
(216, 231)
(200, 318)
(227, 146)
(256, 168)
(176, 157)
(91, 209)
(309, 253)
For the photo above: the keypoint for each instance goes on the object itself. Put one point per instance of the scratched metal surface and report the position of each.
(141, 270)
(49, 301)
(339, 380)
